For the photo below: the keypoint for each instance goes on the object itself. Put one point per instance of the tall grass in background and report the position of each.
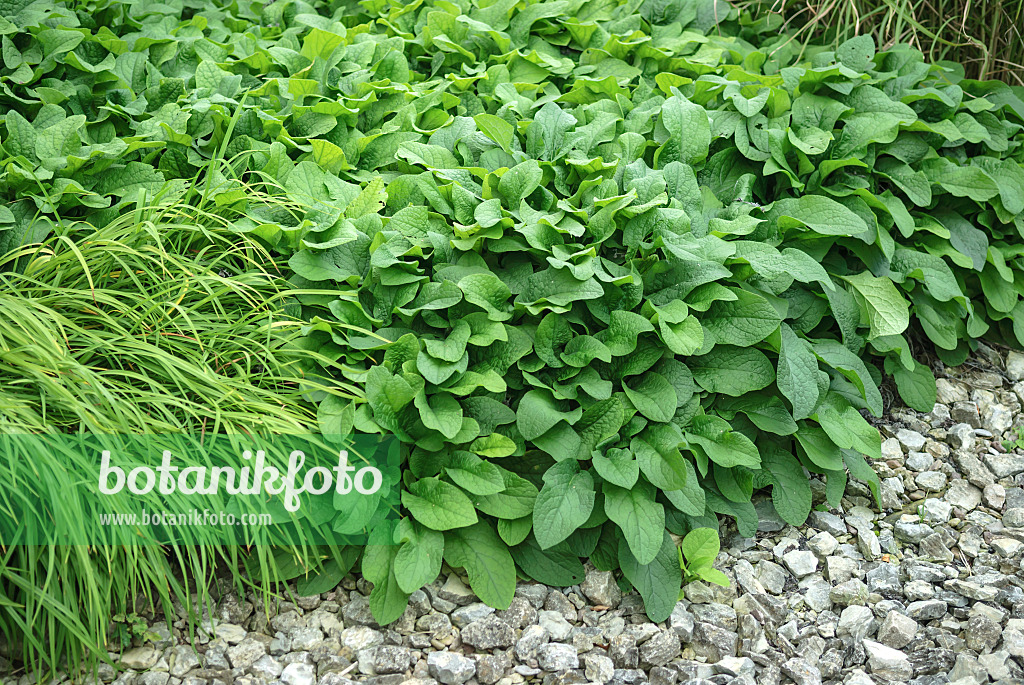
(984, 37)
(162, 321)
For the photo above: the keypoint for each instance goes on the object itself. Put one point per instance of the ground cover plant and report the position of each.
(161, 321)
(606, 268)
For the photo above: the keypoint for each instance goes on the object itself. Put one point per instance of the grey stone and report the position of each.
(714, 643)
(853, 591)
(1014, 365)
(660, 649)
(1007, 547)
(1013, 641)
(911, 440)
(450, 668)
(555, 624)
(802, 672)
(800, 562)
(357, 611)
(973, 470)
(391, 659)
(961, 436)
(935, 548)
(641, 632)
(891, 493)
(681, 621)
(982, 634)
(912, 531)
(840, 569)
(153, 678)
(721, 615)
(918, 589)
(463, 616)
(938, 416)
(822, 520)
(965, 413)
(1013, 518)
(997, 418)
(891, 449)
(928, 573)
(994, 496)
(735, 666)
(267, 667)
(931, 480)
(623, 652)
(995, 664)
(771, 575)
(1014, 498)
(897, 630)
(279, 645)
(182, 659)
(490, 668)
(962, 494)
(520, 613)
(886, 662)
(304, 639)
(358, 638)
(598, 668)
(629, 676)
(557, 657)
(694, 670)
(1004, 465)
(919, 461)
(557, 601)
(823, 544)
(230, 633)
(949, 393)
(926, 609)
(601, 588)
(816, 592)
(856, 621)
(868, 543)
(488, 633)
(245, 653)
(455, 591)
(932, 661)
(768, 520)
(664, 675)
(977, 591)
(141, 658)
(885, 580)
(967, 666)
(532, 638)
(935, 511)
(439, 625)
(298, 674)
(534, 593)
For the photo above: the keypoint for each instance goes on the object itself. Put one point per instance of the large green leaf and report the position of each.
(563, 504)
(487, 561)
(639, 517)
(438, 505)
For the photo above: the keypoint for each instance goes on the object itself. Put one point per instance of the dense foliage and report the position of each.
(606, 267)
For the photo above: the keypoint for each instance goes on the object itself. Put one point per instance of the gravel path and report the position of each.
(928, 591)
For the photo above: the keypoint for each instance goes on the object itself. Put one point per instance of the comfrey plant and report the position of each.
(606, 269)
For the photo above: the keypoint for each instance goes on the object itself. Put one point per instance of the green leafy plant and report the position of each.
(127, 628)
(606, 269)
(697, 555)
(1016, 444)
